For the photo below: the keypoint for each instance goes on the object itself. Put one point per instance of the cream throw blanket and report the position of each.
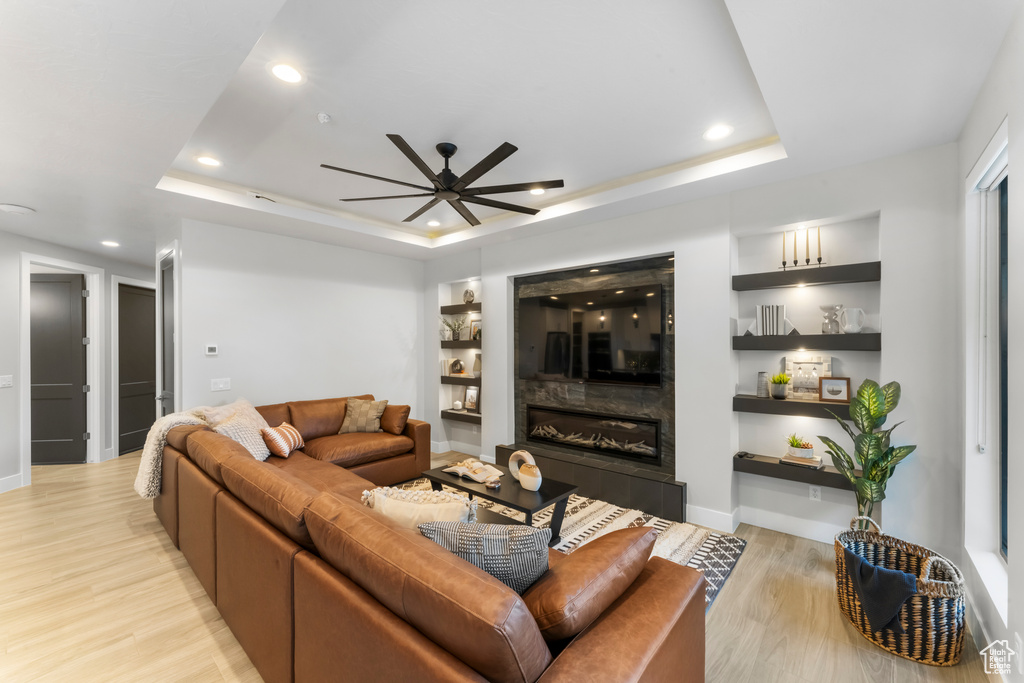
(147, 481)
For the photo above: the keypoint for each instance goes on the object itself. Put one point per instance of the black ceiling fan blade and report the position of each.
(377, 177)
(504, 151)
(464, 211)
(483, 201)
(423, 209)
(401, 144)
(516, 187)
(390, 196)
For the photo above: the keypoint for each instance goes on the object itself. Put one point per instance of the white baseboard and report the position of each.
(712, 519)
(440, 446)
(107, 454)
(787, 524)
(10, 483)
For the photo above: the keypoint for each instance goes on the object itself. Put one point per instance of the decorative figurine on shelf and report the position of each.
(457, 405)
(529, 477)
(468, 296)
(457, 367)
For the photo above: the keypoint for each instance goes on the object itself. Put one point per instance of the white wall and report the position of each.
(1000, 98)
(11, 248)
(297, 320)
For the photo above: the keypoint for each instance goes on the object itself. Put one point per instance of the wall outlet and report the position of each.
(6, 381)
(814, 493)
(223, 384)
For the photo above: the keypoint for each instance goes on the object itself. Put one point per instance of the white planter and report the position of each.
(800, 452)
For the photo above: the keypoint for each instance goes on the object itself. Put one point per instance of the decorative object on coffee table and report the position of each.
(780, 383)
(518, 458)
(834, 389)
(530, 477)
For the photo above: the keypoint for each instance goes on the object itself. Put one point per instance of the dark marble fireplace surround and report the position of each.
(643, 483)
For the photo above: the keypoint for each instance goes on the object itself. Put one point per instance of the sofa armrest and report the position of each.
(419, 432)
(653, 632)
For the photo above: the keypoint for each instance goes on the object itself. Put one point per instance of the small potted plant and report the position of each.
(779, 384)
(799, 448)
(455, 325)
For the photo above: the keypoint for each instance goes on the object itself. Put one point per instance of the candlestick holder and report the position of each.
(786, 265)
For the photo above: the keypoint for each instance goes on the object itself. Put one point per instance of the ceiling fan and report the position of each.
(448, 187)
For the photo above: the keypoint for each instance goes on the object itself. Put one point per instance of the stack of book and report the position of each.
(813, 463)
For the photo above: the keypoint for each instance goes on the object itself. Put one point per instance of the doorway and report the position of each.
(58, 349)
(134, 356)
(168, 318)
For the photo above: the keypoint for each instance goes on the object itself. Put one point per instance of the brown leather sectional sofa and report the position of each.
(317, 587)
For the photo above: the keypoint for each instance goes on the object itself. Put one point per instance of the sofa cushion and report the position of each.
(272, 493)
(275, 413)
(394, 418)
(354, 449)
(412, 508)
(362, 416)
(323, 476)
(579, 587)
(177, 437)
(282, 439)
(461, 608)
(209, 450)
(515, 554)
(321, 417)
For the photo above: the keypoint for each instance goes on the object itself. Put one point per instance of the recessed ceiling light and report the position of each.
(595, 270)
(671, 258)
(287, 73)
(554, 297)
(110, 243)
(433, 224)
(537, 190)
(718, 131)
(650, 293)
(16, 209)
(208, 161)
(620, 291)
(590, 303)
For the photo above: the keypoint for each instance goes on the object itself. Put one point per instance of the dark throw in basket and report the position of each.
(933, 618)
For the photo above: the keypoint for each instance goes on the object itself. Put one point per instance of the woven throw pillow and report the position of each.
(282, 440)
(240, 421)
(582, 585)
(515, 554)
(412, 508)
(363, 416)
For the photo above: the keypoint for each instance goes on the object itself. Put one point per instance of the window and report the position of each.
(1003, 420)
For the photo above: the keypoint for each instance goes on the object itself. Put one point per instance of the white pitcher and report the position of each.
(852, 320)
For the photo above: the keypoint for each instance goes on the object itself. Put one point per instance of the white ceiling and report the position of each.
(107, 102)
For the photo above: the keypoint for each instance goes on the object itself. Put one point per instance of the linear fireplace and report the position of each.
(614, 435)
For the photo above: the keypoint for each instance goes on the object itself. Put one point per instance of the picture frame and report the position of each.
(472, 401)
(834, 389)
(805, 371)
(474, 330)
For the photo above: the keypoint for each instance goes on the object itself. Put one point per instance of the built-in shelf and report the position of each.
(461, 344)
(472, 418)
(455, 309)
(794, 277)
(746, 403)
(767, 466)
(869, 341)
(463, 381)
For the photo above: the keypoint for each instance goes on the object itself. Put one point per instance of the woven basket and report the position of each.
(933, 618)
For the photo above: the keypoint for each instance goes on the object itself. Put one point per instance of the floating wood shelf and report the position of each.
(767, 466)
(463, 381)
(871, 341)
(472, 418)
(461, 344)
(825, 275)
(455, 309)
(745, 403)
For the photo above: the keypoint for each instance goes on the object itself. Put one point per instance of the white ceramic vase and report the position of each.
(529, 477)
(517, 459)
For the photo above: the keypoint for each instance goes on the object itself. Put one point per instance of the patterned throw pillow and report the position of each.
(282, 440)
(412, 508)
(515, 554)
(363, 416)
(244, 429)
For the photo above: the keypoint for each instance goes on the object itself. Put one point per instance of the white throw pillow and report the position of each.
(412, 508)
(241, 422)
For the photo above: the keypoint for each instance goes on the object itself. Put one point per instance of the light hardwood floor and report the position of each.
(91, 589)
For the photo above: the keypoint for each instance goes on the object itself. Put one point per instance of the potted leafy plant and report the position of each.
(779, 383)
(875, 456)
(799, 448)
(455, 325)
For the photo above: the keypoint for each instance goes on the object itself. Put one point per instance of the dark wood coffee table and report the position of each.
(512, 495)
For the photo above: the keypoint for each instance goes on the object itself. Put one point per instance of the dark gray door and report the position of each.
(136, 365)
(167, 334)
(58, 369)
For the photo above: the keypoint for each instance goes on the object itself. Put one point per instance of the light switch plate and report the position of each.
(6, 381)
(223, 384)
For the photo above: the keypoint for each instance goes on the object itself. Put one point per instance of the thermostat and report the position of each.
(211, 349)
